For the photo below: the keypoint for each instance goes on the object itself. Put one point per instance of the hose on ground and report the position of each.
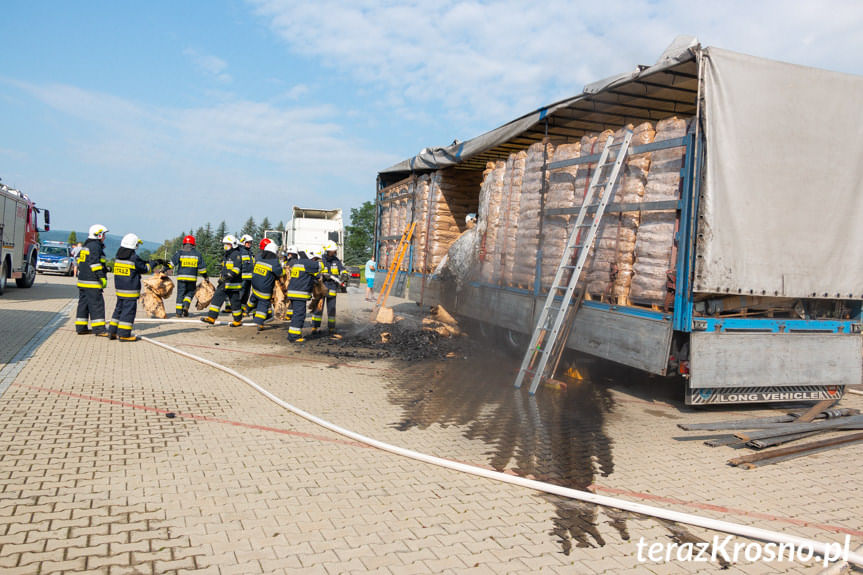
(822, 549)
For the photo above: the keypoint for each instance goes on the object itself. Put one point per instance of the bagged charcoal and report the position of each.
(280, 299)
(204, 294)
(655, 244)
(631, 191)
(533, 186)
(153, 304)
(510, 203)
(488, 239)
(160, 284)
(561, 194)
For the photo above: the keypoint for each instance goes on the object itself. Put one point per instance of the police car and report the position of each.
(55, 257)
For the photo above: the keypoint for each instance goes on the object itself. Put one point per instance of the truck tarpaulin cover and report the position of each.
(782, 202)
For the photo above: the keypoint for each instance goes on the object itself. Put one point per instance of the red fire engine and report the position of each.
(18, 231)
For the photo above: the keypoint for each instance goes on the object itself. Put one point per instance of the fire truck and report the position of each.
(20, 242)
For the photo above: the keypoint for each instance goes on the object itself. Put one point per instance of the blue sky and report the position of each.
(154, 117)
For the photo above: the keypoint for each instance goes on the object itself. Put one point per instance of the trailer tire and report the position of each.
(3, 276)
(29, 274)
(513, 340)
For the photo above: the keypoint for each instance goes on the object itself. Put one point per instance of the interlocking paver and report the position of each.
(98, 479)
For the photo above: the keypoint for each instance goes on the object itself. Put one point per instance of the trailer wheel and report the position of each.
(3, 277)
(514, 340)
(29, 274)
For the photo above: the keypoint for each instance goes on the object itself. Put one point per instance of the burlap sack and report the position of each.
(152, 303)
(279, 297)
(204, 294)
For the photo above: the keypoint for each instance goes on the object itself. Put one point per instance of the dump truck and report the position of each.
(20, 240)
(728, 256)
(310, 228)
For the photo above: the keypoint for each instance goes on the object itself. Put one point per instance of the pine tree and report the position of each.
(73, 238)
(249, 228)
(265, 225)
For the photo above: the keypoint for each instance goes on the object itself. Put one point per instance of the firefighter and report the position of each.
(291, 254)
(92, 279)
(335, 278)
(230, 284)
(304, 273)
(266, 272)
(128, 268)
(248, 268)
(188, 264)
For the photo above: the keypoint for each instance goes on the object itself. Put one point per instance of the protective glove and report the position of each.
(104, 282)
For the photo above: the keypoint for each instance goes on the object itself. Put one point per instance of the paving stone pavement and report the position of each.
(126, 458)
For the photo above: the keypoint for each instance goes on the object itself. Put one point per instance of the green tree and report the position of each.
(360, 235)
(249, 227)
(73, 238)
(265, 225)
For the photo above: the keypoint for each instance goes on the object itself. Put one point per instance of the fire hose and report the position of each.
(822, 549)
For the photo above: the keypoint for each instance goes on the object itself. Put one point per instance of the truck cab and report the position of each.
(20, 241)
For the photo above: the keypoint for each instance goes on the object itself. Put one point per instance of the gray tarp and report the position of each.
(782, 202)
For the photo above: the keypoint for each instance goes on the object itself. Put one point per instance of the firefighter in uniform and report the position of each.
(291, 254)
(188, 264)
(304, 273)
(335, 278)
(230, 284)
(248, 268)
(92, 279)
(266, 272)
(128, 269)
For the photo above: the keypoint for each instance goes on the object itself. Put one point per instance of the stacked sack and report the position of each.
(509, 210)
(530, 206)
(561, 194)
(655, 245)
(491, 194)
(420, 209)
(449, 202)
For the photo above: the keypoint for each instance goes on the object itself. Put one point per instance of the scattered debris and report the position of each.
(762, 432)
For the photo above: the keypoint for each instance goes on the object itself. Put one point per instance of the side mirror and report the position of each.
(47, 220)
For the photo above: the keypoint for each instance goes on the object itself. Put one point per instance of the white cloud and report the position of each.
(177, 167)
(209, 64)
(487, 62)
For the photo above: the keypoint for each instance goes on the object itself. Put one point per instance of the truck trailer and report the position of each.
(310, 228)
(20, 241)
(729, 255)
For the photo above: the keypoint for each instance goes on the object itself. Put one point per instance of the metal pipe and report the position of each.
(823, 549)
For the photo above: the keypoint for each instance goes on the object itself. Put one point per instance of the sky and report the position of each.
(154, 117)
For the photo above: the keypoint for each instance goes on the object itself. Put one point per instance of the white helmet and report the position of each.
(272, 248)
(292, 249)
(97, 232)
(330, 246)
(229, 239)
(130, 241)
(313, 254)
(246, 238)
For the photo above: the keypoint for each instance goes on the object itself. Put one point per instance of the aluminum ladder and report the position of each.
(392, 273)
(544, 341)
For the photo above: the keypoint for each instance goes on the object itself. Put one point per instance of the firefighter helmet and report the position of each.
(330, 246)
(97, 232)
(292, 249)
(189, 240)
(246, 239)
(230, 240)
(271, 247)
(130, 241)
(315, 254)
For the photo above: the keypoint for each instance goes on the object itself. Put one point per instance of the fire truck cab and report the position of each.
(20, 241)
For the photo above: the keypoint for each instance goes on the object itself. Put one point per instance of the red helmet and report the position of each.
(264, 243)
(189, 240)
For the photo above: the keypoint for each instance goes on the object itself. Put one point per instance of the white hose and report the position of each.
(667, 514)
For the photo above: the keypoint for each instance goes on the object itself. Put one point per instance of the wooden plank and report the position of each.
(815, 410)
